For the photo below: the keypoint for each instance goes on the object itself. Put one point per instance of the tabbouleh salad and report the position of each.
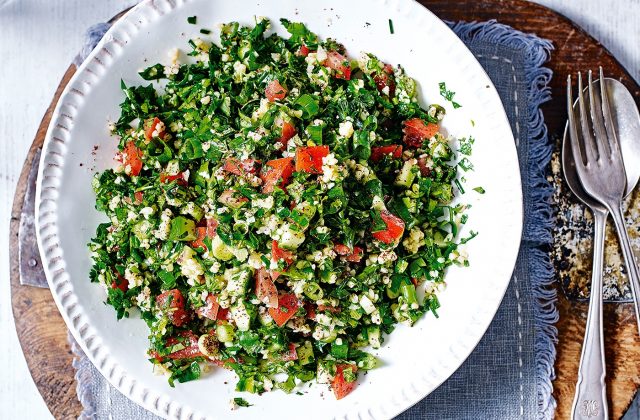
(278, 208)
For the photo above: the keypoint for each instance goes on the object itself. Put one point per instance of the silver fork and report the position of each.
(601, 171)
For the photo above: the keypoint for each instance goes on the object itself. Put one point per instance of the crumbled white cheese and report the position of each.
(270, 225)
(171, 69)
(133, 276)
(162, 232)
(265, 203)
(146, 212)
(321, 332)
(239, 71)
(387, 256)
(299, 324)
(331, 171)
(215, 267)
(262, 109)
(114, 202)
(131, 216)
(143, 299)
(189, 266)
(346, 129)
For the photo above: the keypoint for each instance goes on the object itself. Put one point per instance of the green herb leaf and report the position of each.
(154, 72)
(241, 402)
(448, 95)
(308, 104)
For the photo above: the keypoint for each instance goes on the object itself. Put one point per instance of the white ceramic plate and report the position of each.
(415, 360)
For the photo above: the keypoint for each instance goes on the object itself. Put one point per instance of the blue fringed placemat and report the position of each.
(510, 372)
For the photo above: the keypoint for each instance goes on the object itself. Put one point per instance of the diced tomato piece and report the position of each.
(309, 159)
(138, 196)
(208, 231)
(425, 170)
(341, 388)
(155, 355)
(229, 198)
(288, 131)
(251, 166)
(416, 131)
(354, 255)
(394, 230)
(394, 150)
(288, 304)
(292, 354)
(304, 51)
(156, 126)
(385, 79)
(341, 249)
(179, 178)
(277, 171)
(278, 253)
(223, 314)
(201, 233)
(190, 350)
(339, 63)
(132, 158)
(226, 363)
(187, 353)
(310, 309)
(266, 289)
(121, 283)
(237, 167)
(210, 308)
(275, 91)
(172, 302)
(329, 308)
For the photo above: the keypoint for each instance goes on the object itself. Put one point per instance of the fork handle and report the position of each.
(590, 401)
(629, 259)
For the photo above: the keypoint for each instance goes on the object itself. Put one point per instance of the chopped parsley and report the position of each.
(241, 402)
(192, 20)
(448, 95)
(466, 145)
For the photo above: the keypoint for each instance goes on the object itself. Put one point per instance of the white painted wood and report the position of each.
(615, 23)
(38, 39)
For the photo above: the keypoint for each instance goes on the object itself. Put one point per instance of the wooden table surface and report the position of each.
(54, 375)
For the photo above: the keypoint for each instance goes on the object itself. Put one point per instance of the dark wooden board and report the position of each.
(43, 335)
(575, 50)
